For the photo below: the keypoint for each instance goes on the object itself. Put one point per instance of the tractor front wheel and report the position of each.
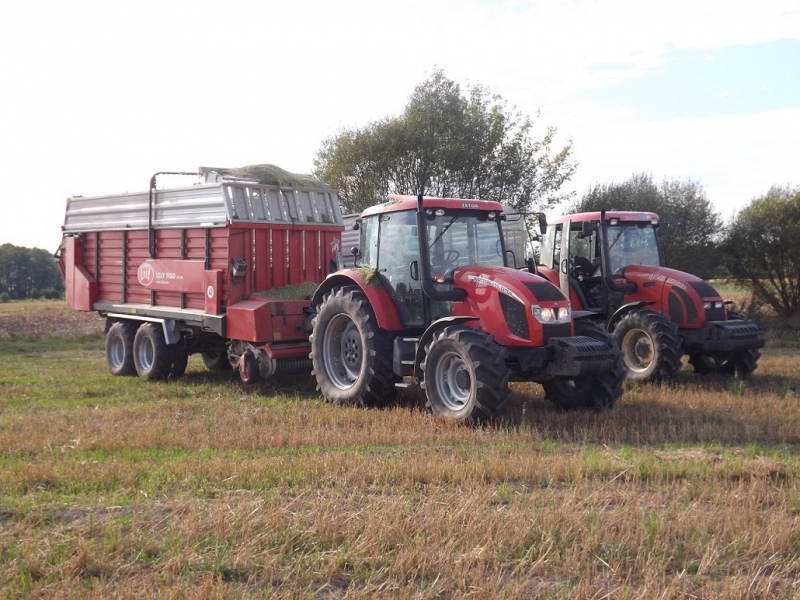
(466, 377)
(650, 344)
(350, 354)
(598, 392)
(740, 363)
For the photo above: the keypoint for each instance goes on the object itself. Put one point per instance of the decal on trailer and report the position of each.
(172, 275)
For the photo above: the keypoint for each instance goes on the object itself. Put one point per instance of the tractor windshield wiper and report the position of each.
(446, 227)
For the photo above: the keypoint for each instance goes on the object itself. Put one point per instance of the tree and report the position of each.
(760, 248)
(451, 145)
(27, 270)
(689, 225)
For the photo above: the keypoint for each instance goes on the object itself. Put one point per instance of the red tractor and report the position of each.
(609, 263)
(431, 302)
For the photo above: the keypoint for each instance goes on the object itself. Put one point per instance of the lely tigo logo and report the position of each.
(146, 274)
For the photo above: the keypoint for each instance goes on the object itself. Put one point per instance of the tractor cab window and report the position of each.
(462, 237)
(632, 244)
(583, 255)
(369, 242)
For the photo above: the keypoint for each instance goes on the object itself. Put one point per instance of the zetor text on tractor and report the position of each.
(430, 301)
(609, 263)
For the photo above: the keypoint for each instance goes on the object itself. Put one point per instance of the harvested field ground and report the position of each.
(201, 488)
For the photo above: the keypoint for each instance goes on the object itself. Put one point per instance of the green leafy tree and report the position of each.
(689, 225)
(24, 271)
(447, 144)
(760, 248)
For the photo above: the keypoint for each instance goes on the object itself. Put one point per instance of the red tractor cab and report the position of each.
(610, 264)
(431, 302)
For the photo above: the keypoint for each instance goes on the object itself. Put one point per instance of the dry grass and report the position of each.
(201, 488)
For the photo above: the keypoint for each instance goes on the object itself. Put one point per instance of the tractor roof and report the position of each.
(398, 203)
(622, 215)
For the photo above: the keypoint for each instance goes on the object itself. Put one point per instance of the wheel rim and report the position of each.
(638, 350)
(453, 381)
(146, 353)
(117, 352)
(344, 352)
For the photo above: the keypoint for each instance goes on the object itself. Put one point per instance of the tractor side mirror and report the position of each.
(542, 223)
(357, 224)
(586, 229)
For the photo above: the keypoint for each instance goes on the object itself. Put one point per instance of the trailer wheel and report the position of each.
(180, 358)
(350, 354)
(119, 348)
(249, 372)
(598, 392)
(650, 344)
(152, 356)
(216, 361)
(466, 377)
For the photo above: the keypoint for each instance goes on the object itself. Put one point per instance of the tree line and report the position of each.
(472, 144)
(28, 273)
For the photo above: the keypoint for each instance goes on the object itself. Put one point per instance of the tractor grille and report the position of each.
(556, 330)
(545, 292)
(516, 316)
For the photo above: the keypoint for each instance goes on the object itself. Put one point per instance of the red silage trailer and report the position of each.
(190, 270)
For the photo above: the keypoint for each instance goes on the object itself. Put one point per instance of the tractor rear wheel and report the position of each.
(466, 377)
(600, 391)
(350, 354)
(650, 344)
(152, 356)
(119, 348)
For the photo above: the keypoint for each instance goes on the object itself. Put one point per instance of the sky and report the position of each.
(97, 96)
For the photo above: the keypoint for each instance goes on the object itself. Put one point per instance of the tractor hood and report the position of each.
(689, 301)
(517, 307)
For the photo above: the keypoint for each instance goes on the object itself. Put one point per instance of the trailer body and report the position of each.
(199, 262)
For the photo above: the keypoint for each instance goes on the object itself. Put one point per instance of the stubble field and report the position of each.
(201, 488)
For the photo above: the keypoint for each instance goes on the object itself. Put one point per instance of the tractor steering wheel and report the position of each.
(446, 257)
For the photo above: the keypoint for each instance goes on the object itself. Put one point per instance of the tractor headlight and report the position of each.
(551, 315)
(707, 305)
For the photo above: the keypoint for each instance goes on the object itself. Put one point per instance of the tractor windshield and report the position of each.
(632, 244)
(458, 238)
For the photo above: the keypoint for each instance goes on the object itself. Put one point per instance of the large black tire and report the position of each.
(651, 345)
(740, 363)
(152, 356)
(119, 348)
(599, 392)
(216, 361)
(465, 375)
(350, 354)
(180, 359)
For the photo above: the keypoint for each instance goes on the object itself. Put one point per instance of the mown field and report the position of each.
(200, 488)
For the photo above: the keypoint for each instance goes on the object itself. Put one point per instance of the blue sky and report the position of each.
(98, 96)
(698, 83)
